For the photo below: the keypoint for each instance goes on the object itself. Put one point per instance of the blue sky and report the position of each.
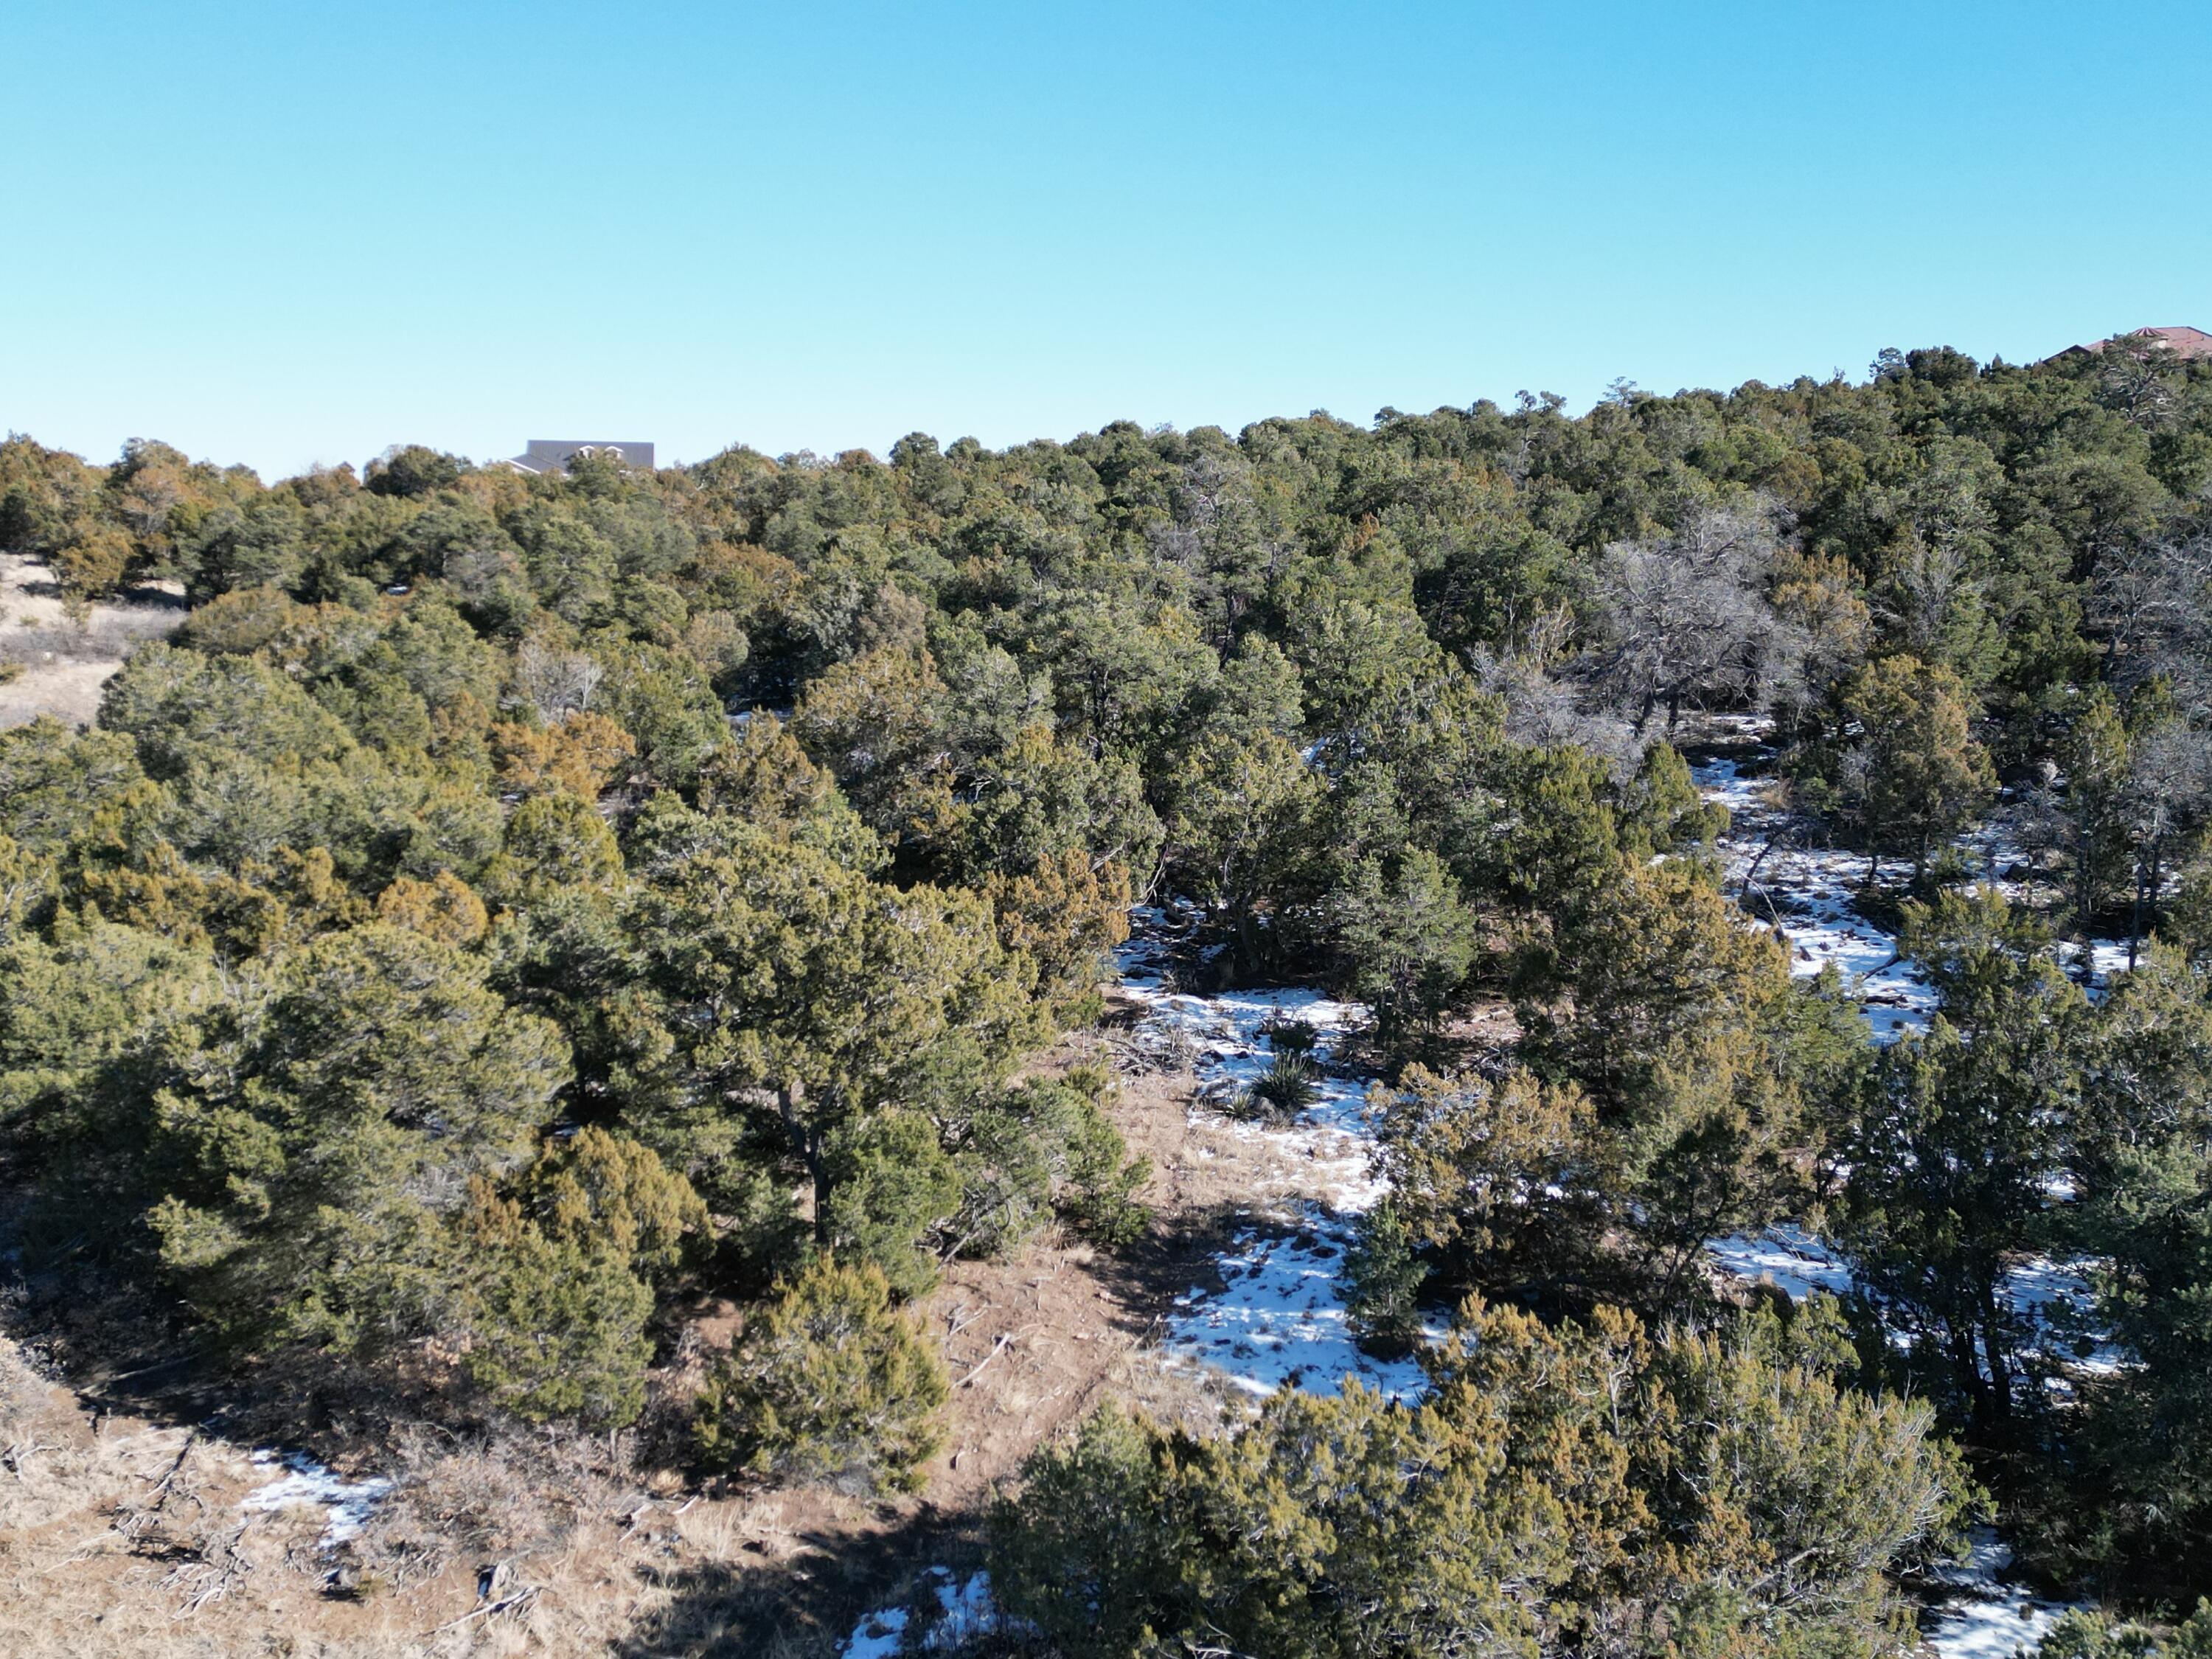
(284, 235)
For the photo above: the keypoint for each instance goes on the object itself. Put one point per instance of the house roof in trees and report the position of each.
(554, 454)
(2188, 343)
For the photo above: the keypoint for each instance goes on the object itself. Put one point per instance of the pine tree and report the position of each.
(1408, 942)
(554, 1321)
(1718, 1491)
(319, 1143)
(1961, 1133)
(1493, 1179)
(1916, 774)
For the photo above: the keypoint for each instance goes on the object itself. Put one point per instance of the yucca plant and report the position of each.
(1285, 1089)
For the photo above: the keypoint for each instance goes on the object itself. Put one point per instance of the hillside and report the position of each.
(846, 1055)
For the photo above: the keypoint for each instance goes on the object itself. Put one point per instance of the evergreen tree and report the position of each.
(2145, 1209)
(1953, 1157)
(328, 1127)
(1718, 1491)
(1408, 942)
(826, 1383)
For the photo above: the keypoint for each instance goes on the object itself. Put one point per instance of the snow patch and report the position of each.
(1807, 895)
(346, 1504)
(2052, 1299)
(1983, 1620)
(965, 1608)
(877, 1636)
(1279, 1320)
(1800, 1263)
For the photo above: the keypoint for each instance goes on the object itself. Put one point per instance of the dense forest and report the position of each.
(512, 909)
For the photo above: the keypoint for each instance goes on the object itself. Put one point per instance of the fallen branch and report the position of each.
(997, 1349)
(161, 1486)
(521, 1598)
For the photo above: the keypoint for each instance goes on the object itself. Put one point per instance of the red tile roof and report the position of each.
(2188, 343)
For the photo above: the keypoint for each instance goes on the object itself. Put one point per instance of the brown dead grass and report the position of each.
(60, 667)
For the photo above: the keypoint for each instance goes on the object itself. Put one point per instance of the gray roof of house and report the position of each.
(553, 454)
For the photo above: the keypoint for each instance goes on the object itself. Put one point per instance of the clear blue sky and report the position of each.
(287, 233)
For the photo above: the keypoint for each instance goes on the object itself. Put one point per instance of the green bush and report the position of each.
(1098, 1194)
(1284, 1089)
(827, 1383)
(2082, 1633)
(556, 1325)
(1384, 1279)
(890, 1183)
(1716, 1493)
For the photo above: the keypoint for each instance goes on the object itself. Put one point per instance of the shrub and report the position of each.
(890, 1183)
(1099, 1195)
(1384, 1279)
(556, 1324)
(1042, 1147)
(601, 1189)
(828, 1383)
(1284, 1089)
(1716, 1493)
(2084, 1634)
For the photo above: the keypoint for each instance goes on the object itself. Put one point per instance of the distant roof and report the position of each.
(554, 454)
(2187, 342)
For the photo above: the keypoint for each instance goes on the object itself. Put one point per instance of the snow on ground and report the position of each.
(2103, 961)
(1981, 1619)
(2053, 1295)
(1281, 1322)
(878, 1634)
(1280, 1319)
(2048, 1297)
(966, 1610)
(1806, 894)
(346, 1504)
(1790, 1256)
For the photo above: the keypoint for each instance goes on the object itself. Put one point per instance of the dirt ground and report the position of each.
(58, 665)
(120, 1530)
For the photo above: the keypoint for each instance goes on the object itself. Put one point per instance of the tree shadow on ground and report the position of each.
(807, 1606)
(804, 1606)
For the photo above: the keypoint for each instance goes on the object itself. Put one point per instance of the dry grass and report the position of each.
(123, 1537)
(50, 664)
(107, 636)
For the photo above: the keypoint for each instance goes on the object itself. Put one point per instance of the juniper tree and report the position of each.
(327, 1128)
(1717, 1489)
(1914, 775)
(2143, 1160)
(827, 1382)
(1961, 1130)
(799, 999)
